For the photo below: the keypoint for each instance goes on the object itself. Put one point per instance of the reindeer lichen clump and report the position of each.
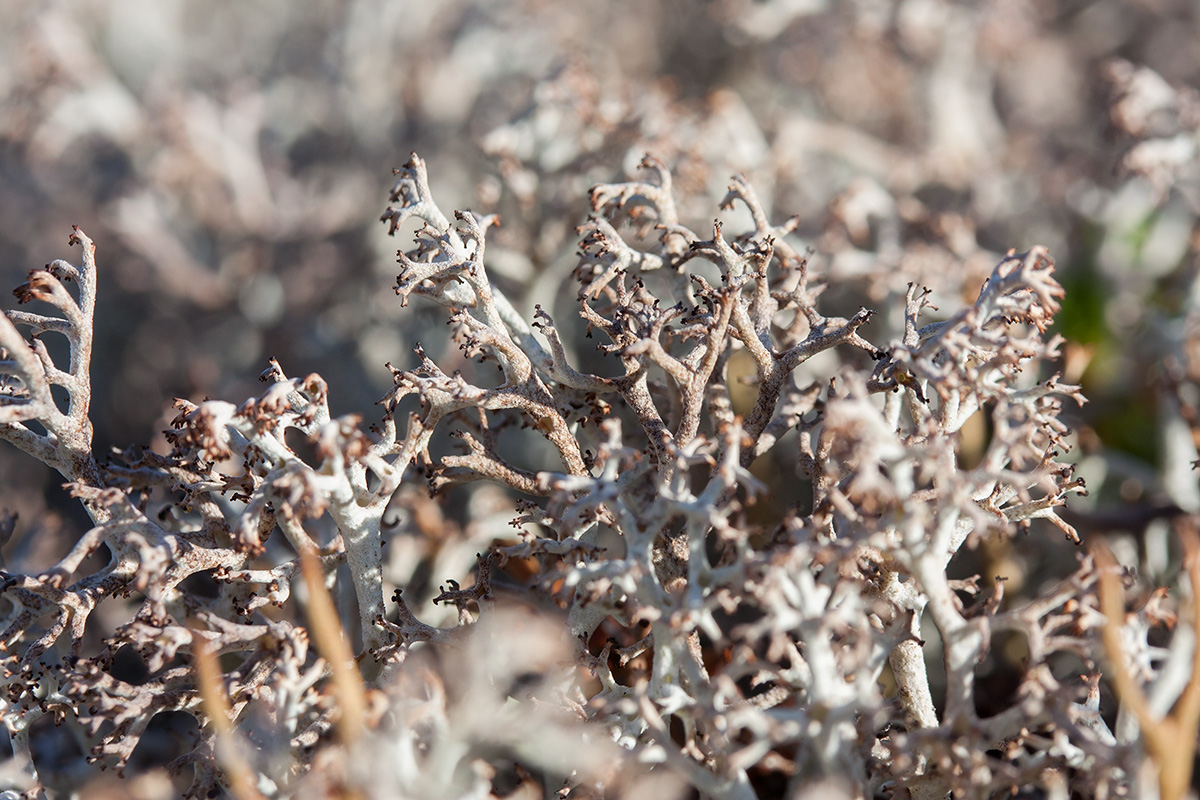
(647, 620)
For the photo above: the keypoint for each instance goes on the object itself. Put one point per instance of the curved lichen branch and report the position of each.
(29, 372)
(411, 191)
(644, 203)
(447, 264)
(562, 372)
